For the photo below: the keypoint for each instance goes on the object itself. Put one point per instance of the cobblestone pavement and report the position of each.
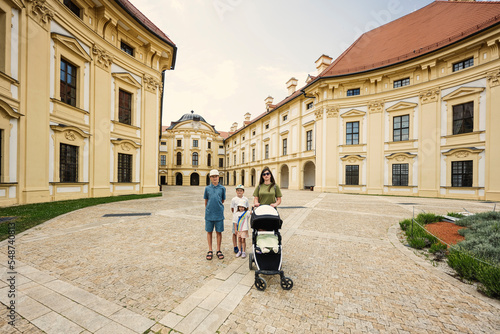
(86, 273)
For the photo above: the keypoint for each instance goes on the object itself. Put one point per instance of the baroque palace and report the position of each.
(408, 109)
(80, 99)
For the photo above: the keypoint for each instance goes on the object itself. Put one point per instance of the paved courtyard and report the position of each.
(85, 272)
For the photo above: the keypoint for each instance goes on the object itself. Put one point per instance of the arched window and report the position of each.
(179, 158)
(195, 159)
(209, 160)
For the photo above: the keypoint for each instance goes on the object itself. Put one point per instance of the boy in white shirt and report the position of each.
(240, 190)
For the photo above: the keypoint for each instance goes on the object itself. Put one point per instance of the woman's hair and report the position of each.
(273, 182)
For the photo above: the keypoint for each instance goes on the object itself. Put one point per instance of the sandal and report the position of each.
(220, 255)
(210, 254)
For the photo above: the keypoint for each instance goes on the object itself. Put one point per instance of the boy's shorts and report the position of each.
(218, 224)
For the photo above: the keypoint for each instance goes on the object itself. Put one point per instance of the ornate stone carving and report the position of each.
(70, 135)
(102, 57)
(151, 83)
(430, 95)
(376, 106)
(332, 111)
(352, 160)
(400, 158)
(40, 9)
(462, 154)
(493, 78)
(319, 114)
(126, 147)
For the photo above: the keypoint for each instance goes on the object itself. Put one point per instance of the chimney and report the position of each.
(323, 62)
(234, 127)
(269, 102)
(247, 117)
(291, 85)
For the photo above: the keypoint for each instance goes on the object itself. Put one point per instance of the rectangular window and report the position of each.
(309, 140)
(68, 83)
(463, 64)
(461, 173)
(401, 128)
(234, 159)
(209, 160)
(179, 158)
(401, 83)
(253, 133)
(352, 175)
(285, 144)
(267, 151)
(285, 118)
(195, 142)
(310, 105)
(124, 167)
(125, 107)
(242, 157)
(352, 92)
(209, 145)
(127, 48)
(68, 163)
(72, 7)
(352, 133)
(267, 126)
(221, 162)
(163, 143)
(179, 142)
(400, 174)
(163, 160)
(463, 118)
(253, 154)
(195, 159)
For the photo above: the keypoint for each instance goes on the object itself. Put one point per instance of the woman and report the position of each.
(267, 192)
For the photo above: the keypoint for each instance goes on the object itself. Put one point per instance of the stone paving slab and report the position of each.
(132, 274)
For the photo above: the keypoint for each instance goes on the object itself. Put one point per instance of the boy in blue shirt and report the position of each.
(215, 195)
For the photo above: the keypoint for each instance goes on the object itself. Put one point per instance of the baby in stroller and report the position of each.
(267, 248)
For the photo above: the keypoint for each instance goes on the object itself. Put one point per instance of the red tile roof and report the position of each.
(437, 25)
(145, 22)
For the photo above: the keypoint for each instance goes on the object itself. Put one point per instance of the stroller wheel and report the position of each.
(286, 283)
(260, 284)
(250, 261)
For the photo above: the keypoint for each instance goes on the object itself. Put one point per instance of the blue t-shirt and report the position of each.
(214, 210)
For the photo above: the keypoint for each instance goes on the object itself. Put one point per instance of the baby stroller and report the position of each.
(266, 246)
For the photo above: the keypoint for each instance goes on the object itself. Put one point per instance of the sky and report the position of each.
(232, 54)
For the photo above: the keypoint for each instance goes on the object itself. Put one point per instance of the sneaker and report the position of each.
(239, 254)
(236, 250)
(243, 254)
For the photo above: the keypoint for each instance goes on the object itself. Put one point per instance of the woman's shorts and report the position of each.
(218, 224)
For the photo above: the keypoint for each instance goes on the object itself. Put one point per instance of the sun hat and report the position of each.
(240, 187)
(214, 172)
(243, 203)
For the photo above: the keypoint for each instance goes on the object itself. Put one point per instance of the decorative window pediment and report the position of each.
(127, 78)
(404, 156)
(71, 44)
(353, 113)
(463, 91)
(463, 152)
(70, 130)
(8, 110)
(352, 158)
(402, 106)
(125, 144)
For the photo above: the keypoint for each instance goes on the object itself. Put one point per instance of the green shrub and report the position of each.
(418, 242)
(455, 214)
(463, 263)
(437, 247)
(428, 218)
(405, 224)
(478, 217)
(489, 276)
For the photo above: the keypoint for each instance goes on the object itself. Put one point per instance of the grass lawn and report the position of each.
(30, 215)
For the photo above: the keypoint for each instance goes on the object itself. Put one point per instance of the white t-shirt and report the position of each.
(234, 205)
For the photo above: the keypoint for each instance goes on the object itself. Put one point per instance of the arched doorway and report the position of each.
(243, 177)
(194, 179)
(178, 179)
(208, 179)
(309, 175)
(252, 177)
(163, 179)
(234, 177)
(284, 177)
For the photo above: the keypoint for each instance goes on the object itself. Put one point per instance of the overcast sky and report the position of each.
(232, 54)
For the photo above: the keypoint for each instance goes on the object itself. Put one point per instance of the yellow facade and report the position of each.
(189, 149)
(62, 70)
(390, 130)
